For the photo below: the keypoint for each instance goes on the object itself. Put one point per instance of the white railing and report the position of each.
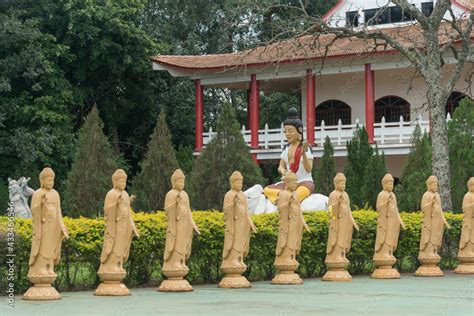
(385, 133)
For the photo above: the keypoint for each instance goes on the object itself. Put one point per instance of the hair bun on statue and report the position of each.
(293, 113)
(294, 120)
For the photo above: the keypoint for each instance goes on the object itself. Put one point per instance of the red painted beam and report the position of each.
(199, 115)
(310, 106)
(254, 111)
(369, 102)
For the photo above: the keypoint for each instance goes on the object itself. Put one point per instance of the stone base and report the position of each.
(429, 271)
(175, 285)
(337, 275)
(41, 292)
(385, 273)
(465, 269)
(234, 282)
(112, 289)
(287, 278)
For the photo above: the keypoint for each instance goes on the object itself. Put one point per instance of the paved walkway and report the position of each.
(450, 295)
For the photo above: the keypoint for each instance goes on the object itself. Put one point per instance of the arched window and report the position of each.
(391, 107)
(453, 101)
(331, 111)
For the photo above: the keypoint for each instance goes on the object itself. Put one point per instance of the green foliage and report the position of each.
(373, 178)
(81, 252)
(90, 177)
(461, 150)
(417, 170)
(153, 182)
(185, 157)
(225, 153)
(35, 99)
(326, 172)
(359, 152)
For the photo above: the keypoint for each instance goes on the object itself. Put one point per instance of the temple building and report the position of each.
(343, 83)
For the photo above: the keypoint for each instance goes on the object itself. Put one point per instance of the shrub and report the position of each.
(81, 252)
(153, 181)
(90, 177)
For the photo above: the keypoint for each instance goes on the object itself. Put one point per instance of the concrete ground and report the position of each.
(449, 295)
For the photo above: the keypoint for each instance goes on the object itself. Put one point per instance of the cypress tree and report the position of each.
(461, 150)
(153, 181)
(225, 153)
(374, 173)
(417, 170)
(90, 177)
(359, 153)
(325, 174)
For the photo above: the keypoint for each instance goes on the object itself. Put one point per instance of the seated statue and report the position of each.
(296, 158)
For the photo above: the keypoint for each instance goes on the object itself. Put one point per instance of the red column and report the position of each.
(254, 105)
(199, 115)
(310, 106)
(369, 102)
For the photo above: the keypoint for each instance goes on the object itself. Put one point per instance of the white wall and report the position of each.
(338, 18)
(350, 88)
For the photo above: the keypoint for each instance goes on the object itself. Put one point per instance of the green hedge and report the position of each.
(81, 253)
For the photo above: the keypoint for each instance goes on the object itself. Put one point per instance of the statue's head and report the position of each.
(46, 177)
(236, 181)
(293, 126)
(470, 184)
(119, 179)
(432, 184)
(387, 182)
(291, 181)
(13, 186)
(177, 180)
(340, 182)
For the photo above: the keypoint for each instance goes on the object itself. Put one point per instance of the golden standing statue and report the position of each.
(388, 230)
(432, 230)
(466, 244)
(179, 236)
(341, 224)
(290, 233)
(238, 227)
(48, 232)
(119, 230)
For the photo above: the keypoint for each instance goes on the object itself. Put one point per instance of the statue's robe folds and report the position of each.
(388, 225)
(179, 231)
(466, 244)
(119, 227)
(291, 227)
(48, 228)
(433, 225)
(237, 228)
(341, 226)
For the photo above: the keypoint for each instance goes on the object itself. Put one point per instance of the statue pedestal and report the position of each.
(42, 289)
(175, 281)
(429, 267)
(337, 271)
(112, 284)
(384, 269)
(233, 278)
(286, 274)
(466, 265)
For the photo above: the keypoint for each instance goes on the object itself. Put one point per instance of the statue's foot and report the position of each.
(112, 289)
(337, 275)
(429, 271)
(41, 292)
(234, 282)
(175, 285)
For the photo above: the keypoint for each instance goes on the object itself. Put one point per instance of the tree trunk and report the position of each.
(440, 149)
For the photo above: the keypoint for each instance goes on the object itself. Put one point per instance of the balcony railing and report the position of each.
(385, 133)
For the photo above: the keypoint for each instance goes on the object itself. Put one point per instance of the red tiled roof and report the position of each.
(307, 47)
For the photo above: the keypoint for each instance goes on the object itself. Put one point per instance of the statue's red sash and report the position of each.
(296, 162)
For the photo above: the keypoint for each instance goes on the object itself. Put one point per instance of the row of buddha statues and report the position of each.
(49, 230)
